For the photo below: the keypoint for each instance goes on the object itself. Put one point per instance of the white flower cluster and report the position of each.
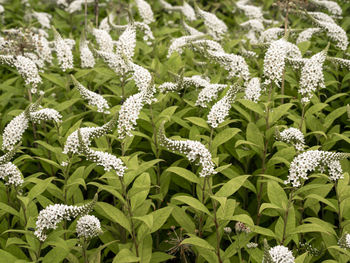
(72, 144)
(293, 136)
(331, 6)
(252, 245)
(103, 39)
(52, 215)
(105, 159)
(311, 160)
(312, 75)
(209, 93)
(271, 34)
(194, 150)
(28, 70)
(13, 131)
(344, 241)
(43, 18)
(42, 47)
(45, 114)
(145, 11)
(94, 99)
(178, 44)
(143, 80)
(252, 12)
(216, 27)
(279, 254)
(252, 91)
(88, 227)
(234, 64)
(63, 51)
(127, 42)
(86, 56)
(340, 61)
(168, 86)
(307, 34)
(334, 31)
(186, 9)
(11, 174)
(221, 109)
(255, 25)
(274, 61)
(76, 5)
(114, 62)
(129, 113)
(191, 30)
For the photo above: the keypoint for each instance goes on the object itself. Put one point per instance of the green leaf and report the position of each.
(252, 106)
(160, 216)
(183, 219)
(198, 242)
(139, 190)
(276, 194)
(278, 112)
(188, 175)
(331, 117)
(231, 186)
(193, 202)
(306, 228)
(224, 136)
(199, 122)
(39, 188)
(158, 257)
(125, 256)
(322, 199)
(113, 214)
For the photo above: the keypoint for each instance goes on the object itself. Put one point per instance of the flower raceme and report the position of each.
(194, 151)
(88, 227)
(52, 215)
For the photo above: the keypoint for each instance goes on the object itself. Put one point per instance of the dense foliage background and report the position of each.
(160, 208)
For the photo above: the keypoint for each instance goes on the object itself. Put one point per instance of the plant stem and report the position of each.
(340, 215)
(285, 219)
(302, 117)
(96, 13)
(239, 249)
(83, 247)
(201, 216)
(218, 238)
(128, 206)
(85, 16)
(38, 252)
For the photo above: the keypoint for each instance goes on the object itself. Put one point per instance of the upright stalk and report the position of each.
(340, 214)
(83, 247)
(96, 13)
(218, 238)
(302, 117)
(285, 218)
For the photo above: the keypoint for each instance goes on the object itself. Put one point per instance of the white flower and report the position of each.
(188, 11)
(271, 34)
(168, 86)
(145, 11)
(105, 159)
(331, 6)
(253, 90)
(127, 42)
(14, 131)
(103, 39)
(11, 174)
(28, 70)
(114, 61)
(254, 24)
(221, 109)
(146, 30)
(49, 217)
(340, 61)
(311, 160)
(344, 241)
(252, 12)
(63, 51)
(216, 27)
(88, 227)
(322, 17)
(178, 44)
(46, 114)
(76, 5)
(86, 56)
(129, 113)
(280, 254)
(43, 18)
(274, 61)
(104, 24)
(312, 75)
(42, 47)
(194, 151)
(252, 245)
(72, 144)
(94, 99)
(192, 31)
(307, 34)
(293, 136)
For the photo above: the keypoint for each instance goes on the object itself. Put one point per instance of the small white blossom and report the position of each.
(252, 245)
(280, 254)
(168, 86)
(307, 34)
(103, 39)
(52, 215)
(331, 6)
(13, 131)
(86, 56)
(11, 174)
(129, 113)
(254, 24)
(221, 109)
(188, 11)
(127, 42)
(194, 151)
(192, 31)
(46, 114)
(252, 12)
(216, 27)
(76, 5)
(145, 11)
(271, 34)
(94, 99)
(28, 70)
(63, 51)
(43, 18)
(274, 61)
(114, 62)
(312, 75)
(178, 44)
(311, 160)
(344, 241)
(88, 227)
(253, 90)
(340, 61)
(293, 136)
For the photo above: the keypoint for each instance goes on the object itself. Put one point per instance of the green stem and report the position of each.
(340, 215)
(285, 219)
